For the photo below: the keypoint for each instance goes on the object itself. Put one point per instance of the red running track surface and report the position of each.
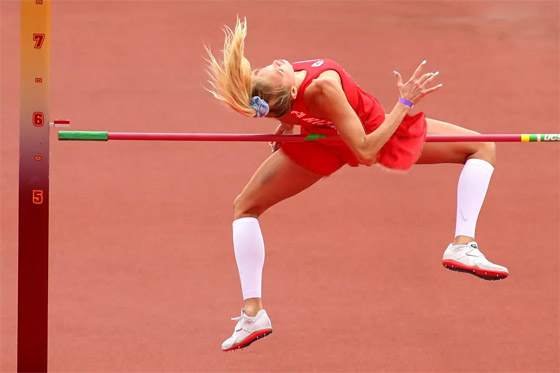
(142, 272)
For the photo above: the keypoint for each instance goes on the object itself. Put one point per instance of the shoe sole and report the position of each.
(250, 339)
(484, 274)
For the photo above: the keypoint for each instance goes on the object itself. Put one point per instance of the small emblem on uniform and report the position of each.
(318, 63)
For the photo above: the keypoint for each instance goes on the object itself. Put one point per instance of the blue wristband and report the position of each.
(406, 102)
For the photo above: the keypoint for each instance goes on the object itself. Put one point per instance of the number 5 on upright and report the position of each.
(37, 197)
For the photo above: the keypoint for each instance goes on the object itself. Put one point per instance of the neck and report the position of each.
(299, 76)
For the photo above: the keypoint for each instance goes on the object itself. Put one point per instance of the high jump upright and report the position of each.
(33, 205)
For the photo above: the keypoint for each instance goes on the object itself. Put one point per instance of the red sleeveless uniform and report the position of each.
(400, 152)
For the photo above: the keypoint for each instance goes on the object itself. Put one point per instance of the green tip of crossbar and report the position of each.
(83, 135)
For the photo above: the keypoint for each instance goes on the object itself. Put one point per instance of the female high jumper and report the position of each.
(320, 97)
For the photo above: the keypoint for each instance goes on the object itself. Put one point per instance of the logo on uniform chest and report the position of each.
(318, 63)
(313, 121)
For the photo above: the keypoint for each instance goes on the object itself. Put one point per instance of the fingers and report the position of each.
(399, 77)
(428, 77)
(419, 70)
(433, 89)
(417, 87)
(417, 77)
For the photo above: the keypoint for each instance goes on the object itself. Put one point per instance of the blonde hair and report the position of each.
(232, 82)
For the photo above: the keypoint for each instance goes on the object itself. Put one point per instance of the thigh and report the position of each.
(446, 152)
(276, 179)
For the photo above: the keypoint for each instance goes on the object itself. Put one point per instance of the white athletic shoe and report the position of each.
(468, 258)
(248, 330)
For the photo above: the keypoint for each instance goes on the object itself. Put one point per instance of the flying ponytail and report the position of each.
(232, 82)
(231, 79)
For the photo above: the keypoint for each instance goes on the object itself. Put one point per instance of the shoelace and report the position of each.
(475, 252)
(243, 315)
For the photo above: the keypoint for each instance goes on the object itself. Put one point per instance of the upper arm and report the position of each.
(330, 101)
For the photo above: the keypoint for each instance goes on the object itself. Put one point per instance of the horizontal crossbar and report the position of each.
(146, 136)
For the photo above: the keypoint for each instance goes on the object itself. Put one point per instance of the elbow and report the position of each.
(365, 154)
(368, 161)
(366, 157)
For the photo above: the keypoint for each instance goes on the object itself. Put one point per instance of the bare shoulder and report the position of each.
(325, 86)
(327, 80)
(324, 94)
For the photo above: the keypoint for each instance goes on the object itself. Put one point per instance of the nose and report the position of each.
(277, 62)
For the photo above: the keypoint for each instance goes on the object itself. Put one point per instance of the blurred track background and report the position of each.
(142, 271)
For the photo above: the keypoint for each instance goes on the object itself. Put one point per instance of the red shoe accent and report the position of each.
(482, 273)
(250, 339)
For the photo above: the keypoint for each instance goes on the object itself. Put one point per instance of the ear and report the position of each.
(293, 92)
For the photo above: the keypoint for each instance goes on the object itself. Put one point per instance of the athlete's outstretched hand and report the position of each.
(282, 129)
(418, 86)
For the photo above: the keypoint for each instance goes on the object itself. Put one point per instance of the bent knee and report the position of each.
(485, 151)
(244, 207)
(490, 150)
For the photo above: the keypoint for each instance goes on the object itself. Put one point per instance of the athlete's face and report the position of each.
(279, 73)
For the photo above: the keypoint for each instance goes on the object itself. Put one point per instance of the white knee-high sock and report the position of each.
(471, 190)
(248, 245)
